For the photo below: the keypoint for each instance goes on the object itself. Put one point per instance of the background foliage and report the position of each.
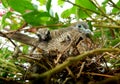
(103, 19)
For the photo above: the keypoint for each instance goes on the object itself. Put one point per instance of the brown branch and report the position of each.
(97, 74)
(21, 38)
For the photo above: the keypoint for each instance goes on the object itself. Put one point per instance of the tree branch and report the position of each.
(21, 38)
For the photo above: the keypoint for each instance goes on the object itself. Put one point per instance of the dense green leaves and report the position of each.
(21, 6)
(36, 17)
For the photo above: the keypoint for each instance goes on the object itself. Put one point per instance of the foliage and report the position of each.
(22, 14)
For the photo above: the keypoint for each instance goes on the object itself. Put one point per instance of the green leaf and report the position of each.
(21, 5)
(42, 2)
(86, 4)
(53, 20)
(48, 5)
(5, 53)
(56, 17)
(68, 12)
(115, 10)
(60, 2)
(81, 14)
(36, 18)
(4, 2)
(25, 49)
(105, 2)
(3, 22)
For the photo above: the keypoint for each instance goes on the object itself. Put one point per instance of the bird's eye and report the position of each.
(79, 26)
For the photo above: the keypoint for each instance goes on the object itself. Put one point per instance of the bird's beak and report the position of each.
(88, 33)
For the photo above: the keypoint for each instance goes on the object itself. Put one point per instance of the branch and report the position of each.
(71, 60)
(82, 7)
(4, 35)
(107, 26)
(103, 13)
(21, 38)
(114, 5)
(112, 80)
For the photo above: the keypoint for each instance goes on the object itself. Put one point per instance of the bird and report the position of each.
(45, 34)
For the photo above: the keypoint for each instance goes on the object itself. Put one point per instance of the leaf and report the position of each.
(21, 5)
(4, 2)
(5, 53)
(68, 12)
(3, 22)
(25, 49)
(48, 5)
(60, 2)
(105, 2)
(36, 18)
(115, 10)
(42, 2)
(56, 17)
(86, 4)
(81, 14)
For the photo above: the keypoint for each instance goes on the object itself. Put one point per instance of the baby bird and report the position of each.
(44, 34)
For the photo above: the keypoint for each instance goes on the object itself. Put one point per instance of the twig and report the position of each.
(114, 5)
(74, 40)
(107, 26)
(83, 7)
(80, 72)
(70, 72)
(103, 13)
(4, 35)
(118, 44)
(97, 74)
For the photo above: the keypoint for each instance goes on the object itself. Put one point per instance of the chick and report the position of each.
(44, 35)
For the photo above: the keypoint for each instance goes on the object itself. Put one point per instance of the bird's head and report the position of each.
(83, 28)
(43, 34)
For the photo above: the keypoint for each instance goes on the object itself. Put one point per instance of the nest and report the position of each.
(86, 70)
